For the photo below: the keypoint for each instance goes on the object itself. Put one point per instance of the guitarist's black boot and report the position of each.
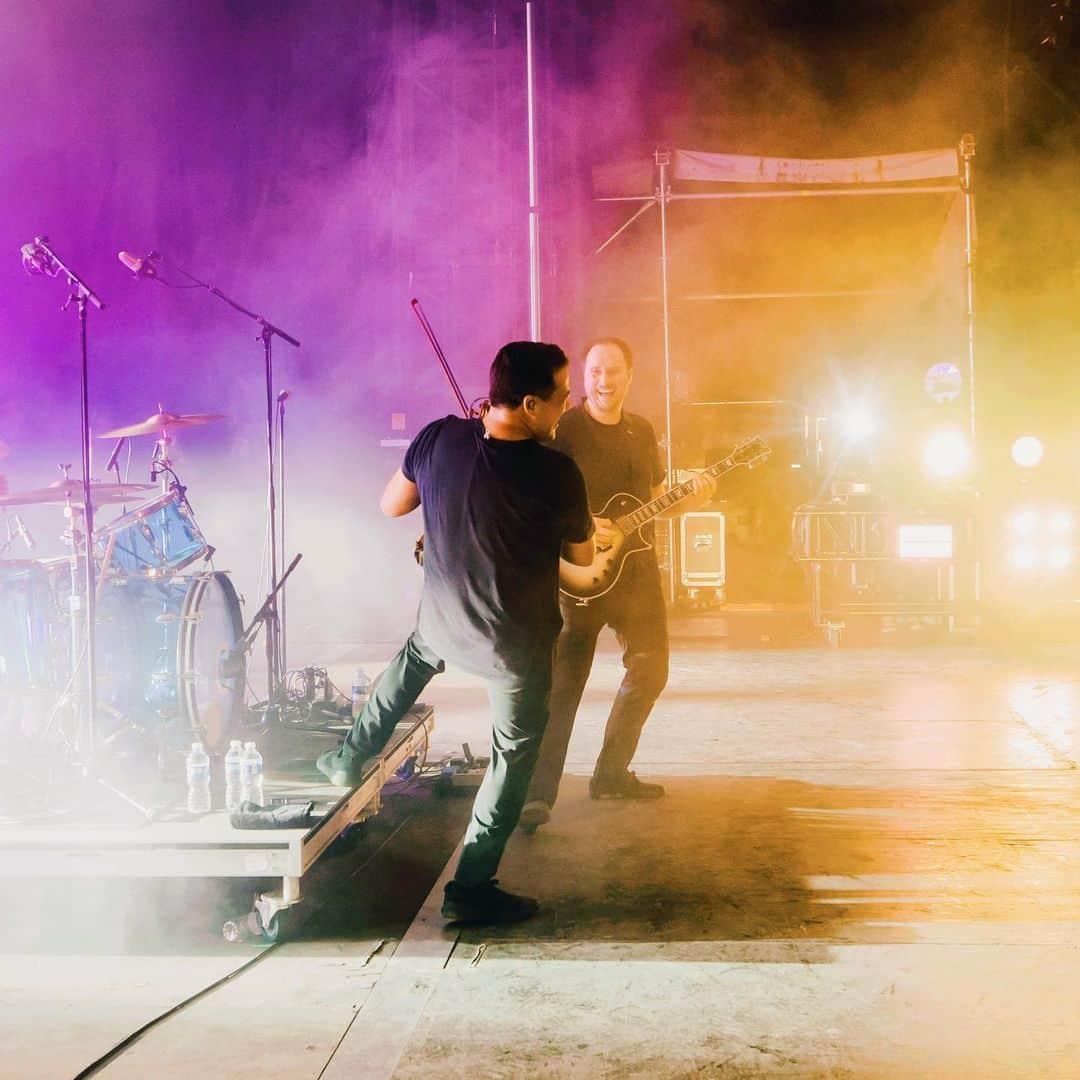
(627, 786)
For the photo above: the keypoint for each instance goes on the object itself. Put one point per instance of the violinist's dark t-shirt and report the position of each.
(496, 513)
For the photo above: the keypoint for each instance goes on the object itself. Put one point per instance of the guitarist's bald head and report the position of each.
(615, 343)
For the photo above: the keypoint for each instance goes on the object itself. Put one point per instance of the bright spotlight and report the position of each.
(1027, 451)
(1059, 558)
(946, 454)
(859, 423)
(1024, 523)
(1023, 558)
(1061, 523)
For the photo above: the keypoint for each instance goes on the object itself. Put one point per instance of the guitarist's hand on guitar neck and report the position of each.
(702, 487)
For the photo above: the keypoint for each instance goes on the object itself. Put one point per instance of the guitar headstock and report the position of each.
(750, 451)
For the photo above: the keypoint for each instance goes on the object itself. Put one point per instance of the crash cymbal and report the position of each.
(63, 491)
(161, 421)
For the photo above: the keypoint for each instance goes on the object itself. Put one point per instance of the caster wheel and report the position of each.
(278, 927)
(346, 841)
(243, 928)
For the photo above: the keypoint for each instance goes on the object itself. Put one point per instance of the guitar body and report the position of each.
(628, 515)
(584, 583)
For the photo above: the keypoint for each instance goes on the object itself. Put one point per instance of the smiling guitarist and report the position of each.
(617, 452)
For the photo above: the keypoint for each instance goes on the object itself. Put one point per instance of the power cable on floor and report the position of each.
(311, 909)
(125, 1044)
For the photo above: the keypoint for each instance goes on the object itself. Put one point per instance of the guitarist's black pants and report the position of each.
(634, 609)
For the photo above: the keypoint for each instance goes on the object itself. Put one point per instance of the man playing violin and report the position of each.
(499, 509)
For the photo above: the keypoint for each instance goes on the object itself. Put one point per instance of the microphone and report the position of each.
(284, 396)
(24, 532)
(115, 454)
(140, 267)
(36, 260)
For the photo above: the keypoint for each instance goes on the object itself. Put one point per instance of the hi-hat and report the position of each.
(63, 491)
(161, 421)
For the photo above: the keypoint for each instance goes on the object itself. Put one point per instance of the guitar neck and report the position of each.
(645, 513)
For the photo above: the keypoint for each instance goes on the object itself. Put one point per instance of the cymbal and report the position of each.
(64, 490)
(161, 421)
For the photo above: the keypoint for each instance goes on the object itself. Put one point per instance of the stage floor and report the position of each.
(866, 865)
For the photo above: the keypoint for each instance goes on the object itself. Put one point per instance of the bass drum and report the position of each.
(210, 674)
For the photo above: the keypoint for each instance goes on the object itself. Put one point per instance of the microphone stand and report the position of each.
(269, 331)
(281, 399)
(46, 261)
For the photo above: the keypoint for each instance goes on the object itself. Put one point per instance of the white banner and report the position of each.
(746, 169)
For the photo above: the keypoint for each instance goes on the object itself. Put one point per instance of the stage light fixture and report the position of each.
(1061, 523)
(1027, 451)
(858, 423)
(1024, 558)
(1025, 522)
(1059, 558)
(946, 454)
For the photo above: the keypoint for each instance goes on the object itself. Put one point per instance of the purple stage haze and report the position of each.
(324, 163)
(320, 163)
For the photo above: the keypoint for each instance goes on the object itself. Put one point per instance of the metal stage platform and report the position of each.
(209, 846)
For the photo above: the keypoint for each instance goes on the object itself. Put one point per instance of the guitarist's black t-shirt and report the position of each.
(615, 459)
(496, 513)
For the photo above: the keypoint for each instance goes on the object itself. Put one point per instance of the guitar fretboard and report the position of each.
(634, 520)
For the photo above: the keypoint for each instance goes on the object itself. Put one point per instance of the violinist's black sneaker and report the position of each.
(627, 786)
(485, 903)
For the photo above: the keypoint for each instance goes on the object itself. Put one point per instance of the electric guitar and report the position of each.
(627, 514)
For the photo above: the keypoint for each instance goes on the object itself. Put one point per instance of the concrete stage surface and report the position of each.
(867, 865)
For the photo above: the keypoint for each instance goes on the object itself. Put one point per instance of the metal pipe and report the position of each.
(625, 225)
(663, 160)
(88, 736)
(799, 193)
(802, 294)
(534, 210)
(967, 152)
(283, 644)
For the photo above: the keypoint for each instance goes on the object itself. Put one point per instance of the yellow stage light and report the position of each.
(1027, 451)
(1023, 558)
(859, 423)
(1024, 523)
(1061, 523)
(1059, 558)
(947, 454)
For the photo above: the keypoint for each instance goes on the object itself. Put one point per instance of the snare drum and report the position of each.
(155, 540)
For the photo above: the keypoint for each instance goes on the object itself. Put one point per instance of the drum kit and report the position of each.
(167, 625)
(133, 629)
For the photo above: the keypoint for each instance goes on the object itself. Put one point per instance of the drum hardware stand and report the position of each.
(10, 538)
(269, 610)
(230, 661)
(40, 258)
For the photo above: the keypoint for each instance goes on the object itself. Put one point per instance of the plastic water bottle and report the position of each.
(198, 780)
(234, 779)
(251, 774)
(361, 688)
